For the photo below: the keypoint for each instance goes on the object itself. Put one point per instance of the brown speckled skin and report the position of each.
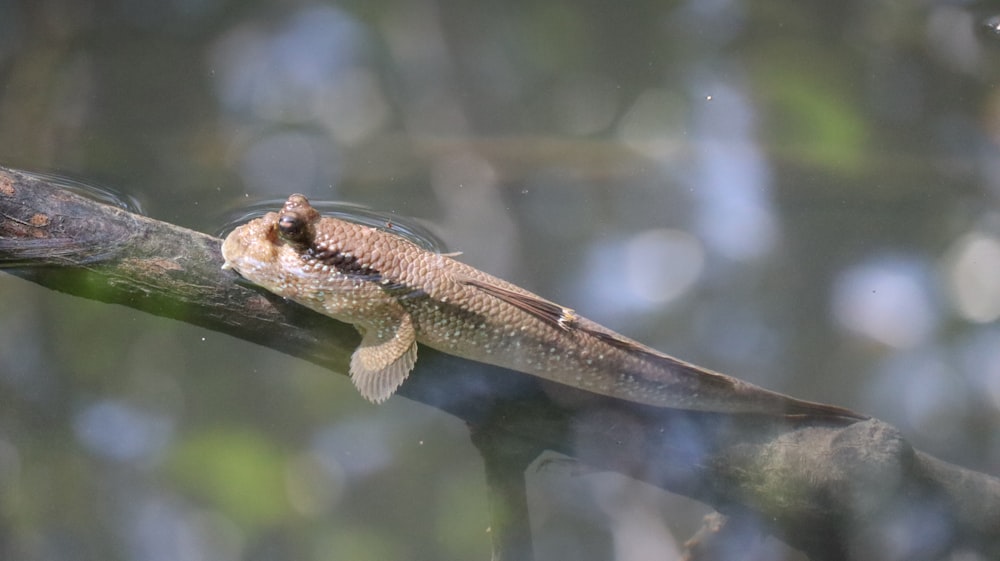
(374, 278)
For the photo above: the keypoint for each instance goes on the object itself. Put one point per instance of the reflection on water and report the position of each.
(89, 189)
(731, 178)
(121, 432)
(979, 355)
(888, 300)
(407, 227)
(972, 266)
(309, 71)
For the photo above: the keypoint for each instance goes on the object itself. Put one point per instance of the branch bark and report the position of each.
(834, 492)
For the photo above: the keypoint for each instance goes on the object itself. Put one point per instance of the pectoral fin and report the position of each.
(384, 359)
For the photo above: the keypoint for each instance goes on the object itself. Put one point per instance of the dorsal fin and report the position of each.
(549, 312)
(567, 320)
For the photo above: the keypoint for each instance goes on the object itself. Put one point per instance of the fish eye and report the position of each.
(296, 221)
(294, 229)
(290, 226)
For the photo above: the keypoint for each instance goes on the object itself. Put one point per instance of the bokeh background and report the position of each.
(800, 193)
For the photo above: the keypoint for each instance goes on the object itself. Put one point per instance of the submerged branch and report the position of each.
(835, 492)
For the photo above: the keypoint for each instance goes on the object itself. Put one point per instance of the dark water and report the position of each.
(802, 194)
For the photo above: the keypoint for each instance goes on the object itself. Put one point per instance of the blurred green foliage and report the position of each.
(239, 472)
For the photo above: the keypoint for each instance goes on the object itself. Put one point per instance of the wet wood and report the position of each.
(835, 492)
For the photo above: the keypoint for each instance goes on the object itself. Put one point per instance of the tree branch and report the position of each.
(835, 492)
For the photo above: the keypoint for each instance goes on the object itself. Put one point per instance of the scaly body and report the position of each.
(398, 294)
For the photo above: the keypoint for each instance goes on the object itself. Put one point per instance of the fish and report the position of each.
(400, 295)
